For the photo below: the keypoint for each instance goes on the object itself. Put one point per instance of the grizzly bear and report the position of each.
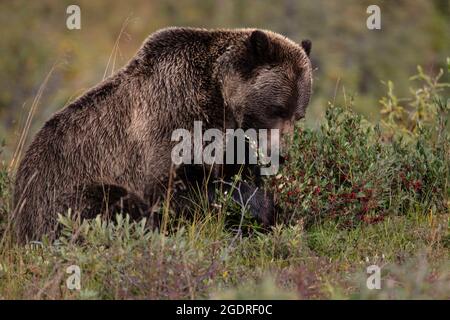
(110, 149)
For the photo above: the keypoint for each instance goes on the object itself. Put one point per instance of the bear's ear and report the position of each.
(306, 45)
(259, 44)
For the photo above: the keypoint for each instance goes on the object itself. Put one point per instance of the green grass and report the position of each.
(353, 194)
(122, 261)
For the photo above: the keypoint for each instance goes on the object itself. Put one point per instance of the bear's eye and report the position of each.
(299, 116)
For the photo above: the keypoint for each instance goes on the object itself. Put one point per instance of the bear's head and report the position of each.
(266, 81)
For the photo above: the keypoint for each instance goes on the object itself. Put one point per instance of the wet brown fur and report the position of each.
(115, 140)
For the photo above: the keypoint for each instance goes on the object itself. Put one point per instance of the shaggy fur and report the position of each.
(111, 148)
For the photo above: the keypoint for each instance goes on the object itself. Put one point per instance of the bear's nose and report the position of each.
(287, 134)
(288, 128)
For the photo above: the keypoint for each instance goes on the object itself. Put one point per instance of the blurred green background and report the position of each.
(347, 57)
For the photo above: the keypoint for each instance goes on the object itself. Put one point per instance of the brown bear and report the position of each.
(110, 149)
